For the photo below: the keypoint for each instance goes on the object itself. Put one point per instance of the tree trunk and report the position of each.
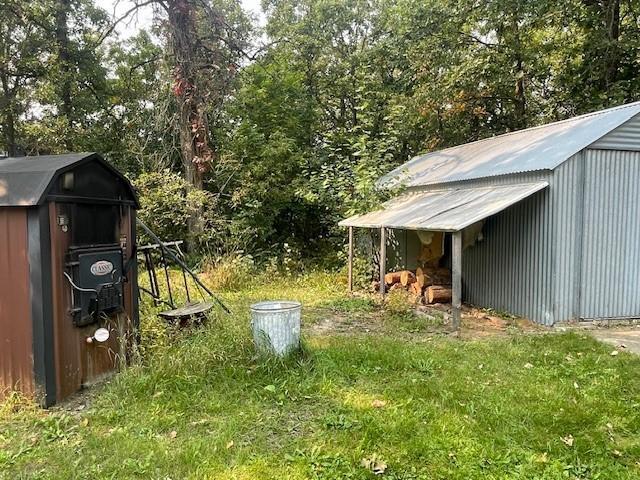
(192, 174)
(612, 59)
(195, 150)
(10, 130)
(520, 98)
(605, 32)
(521, 101)
(64, 59)
(8, 118)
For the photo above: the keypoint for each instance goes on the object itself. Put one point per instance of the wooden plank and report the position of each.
(456, 278)
(188, 310)
(350, 265)
(383, 258)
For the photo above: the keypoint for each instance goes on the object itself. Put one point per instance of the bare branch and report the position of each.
(477, 40)
(124, 16)
(143, 63)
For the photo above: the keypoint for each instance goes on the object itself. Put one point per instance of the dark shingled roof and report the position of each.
(25, 181)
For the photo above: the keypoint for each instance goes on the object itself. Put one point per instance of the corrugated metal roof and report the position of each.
(446, 210)
(24, 181)
(538, 148)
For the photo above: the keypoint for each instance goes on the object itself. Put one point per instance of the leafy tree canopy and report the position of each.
(285, 130)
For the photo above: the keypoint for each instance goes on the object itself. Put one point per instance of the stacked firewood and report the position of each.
(431, 283)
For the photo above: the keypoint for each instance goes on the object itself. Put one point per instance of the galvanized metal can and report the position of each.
(276, 326)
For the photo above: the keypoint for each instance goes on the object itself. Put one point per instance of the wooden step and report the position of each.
(196, 311)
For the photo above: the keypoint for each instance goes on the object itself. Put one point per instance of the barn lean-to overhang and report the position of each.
(445, 210)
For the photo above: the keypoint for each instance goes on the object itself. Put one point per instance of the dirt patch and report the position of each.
(479, 322)
(326, 321)
(476, 323)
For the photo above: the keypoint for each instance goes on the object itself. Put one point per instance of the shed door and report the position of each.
(610, 276)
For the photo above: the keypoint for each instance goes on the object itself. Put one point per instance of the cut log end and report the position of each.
(437, 294)
(415, 289)
(407, 278)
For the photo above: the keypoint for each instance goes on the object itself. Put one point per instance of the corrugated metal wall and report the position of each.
(511, 269)
(610, 279)
(567, 193)
(625, 137)
(511, 179)
(16, 364)
(577, 245)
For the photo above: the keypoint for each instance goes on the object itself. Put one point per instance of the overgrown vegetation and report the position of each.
(286, 129)
(200, 405)
(167, 202)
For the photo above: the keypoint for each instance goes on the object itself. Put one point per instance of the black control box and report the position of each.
(97, 276)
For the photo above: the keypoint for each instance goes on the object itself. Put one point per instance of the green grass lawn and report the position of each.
(200, 405)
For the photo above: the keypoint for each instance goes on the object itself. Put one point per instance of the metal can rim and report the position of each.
(275, 306)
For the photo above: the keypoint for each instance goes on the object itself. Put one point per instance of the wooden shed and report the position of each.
(67, 268)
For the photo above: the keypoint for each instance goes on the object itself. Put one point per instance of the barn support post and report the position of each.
(456, 278)
(350, 265)
(383, 258)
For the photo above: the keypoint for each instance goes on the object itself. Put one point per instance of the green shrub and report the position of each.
(286, 260)
(399, 302)
(229, 272)
(362, 273)
(167, 202)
